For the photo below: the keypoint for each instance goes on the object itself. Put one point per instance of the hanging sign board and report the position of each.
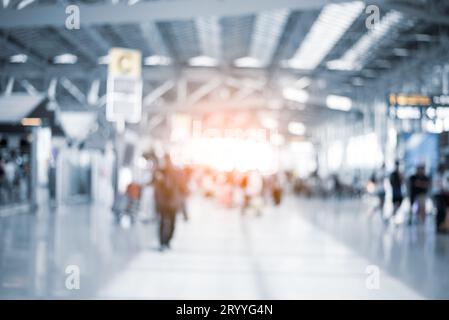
(415, 106)
(418, 100)
(124, 86)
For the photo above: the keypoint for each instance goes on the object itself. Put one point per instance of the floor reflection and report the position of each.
(304, 249)
(415, 255)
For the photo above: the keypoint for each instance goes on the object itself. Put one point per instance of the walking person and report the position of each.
(184, 178)
(438, 195)
(396, 181)
(378, 178)
(419, 185)
(167, 196)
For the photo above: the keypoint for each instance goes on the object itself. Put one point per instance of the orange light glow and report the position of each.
(31, 122)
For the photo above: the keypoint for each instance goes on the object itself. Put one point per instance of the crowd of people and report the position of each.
(14, 178)
(248, 191)
(171, 185)
(418, 187)
(244, 190)
(252, 191)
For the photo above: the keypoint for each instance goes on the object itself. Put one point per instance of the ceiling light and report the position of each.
(355, 57)
(248, 62)
(333, 21)
(157, 60)
(338, 102)
(18, 58)
(203, 61)
(338, 65)
(296, 95)
(65, 58)
(296, 128)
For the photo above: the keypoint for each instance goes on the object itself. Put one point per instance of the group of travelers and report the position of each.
(247, 191)
(14, 178)
(419, 187)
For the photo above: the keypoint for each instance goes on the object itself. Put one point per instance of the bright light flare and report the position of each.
(297, 128)
(296, 95)
(338, 103)
(65, 58)
(157, 60)
(18, 58)
(203, 61)
(227, 154)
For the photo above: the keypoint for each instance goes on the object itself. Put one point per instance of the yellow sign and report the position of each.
(409, 100)
(125, 62)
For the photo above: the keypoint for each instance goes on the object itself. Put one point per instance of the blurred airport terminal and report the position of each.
(224, 149)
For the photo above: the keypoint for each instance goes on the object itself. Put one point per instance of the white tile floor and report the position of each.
(219, 255)
(305, 249)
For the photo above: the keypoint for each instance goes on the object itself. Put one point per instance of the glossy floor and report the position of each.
(304, 249)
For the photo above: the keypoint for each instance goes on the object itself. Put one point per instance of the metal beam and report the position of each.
(202, 91)
(157, 93)
(64, 34)
(73, 90)
(106, 13)
(29, 87)
(92, 96)
(123, 38)
(97, 38)
(51, 92)
(9, 87)
(5, 42)
(20, 71)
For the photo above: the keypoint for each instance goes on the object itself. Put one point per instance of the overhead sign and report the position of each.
(417, 106)
(441, 100)
(418, 100)
(124, 87)
(409, 100)
(125, 63)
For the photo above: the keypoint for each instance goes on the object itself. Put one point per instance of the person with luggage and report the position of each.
(133, 192)
(168, 200)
